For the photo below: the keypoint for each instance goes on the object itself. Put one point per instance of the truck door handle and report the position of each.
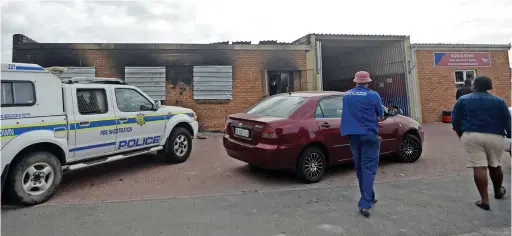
(84, 123)
(123, 119)
(325, 125)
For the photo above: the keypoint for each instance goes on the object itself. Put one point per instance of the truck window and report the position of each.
(130, 100)
(18, 93)
(92, 101)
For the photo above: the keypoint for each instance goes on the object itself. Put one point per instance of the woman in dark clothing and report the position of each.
(482, 120)
(466, 89)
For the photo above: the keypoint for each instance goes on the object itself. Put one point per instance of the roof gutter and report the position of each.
(489, 47)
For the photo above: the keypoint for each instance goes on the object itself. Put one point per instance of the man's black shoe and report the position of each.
(365, 212)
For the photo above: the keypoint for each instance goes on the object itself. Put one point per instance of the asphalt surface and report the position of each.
(429, 206)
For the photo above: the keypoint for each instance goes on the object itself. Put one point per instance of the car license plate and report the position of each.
(242, 132)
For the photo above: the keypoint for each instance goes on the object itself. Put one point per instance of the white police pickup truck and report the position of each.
(51, 125)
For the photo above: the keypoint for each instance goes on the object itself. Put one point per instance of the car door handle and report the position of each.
(325, 125)
(123, 119)
(84, 123)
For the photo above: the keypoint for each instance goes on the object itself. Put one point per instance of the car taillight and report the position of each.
(269, 132)
(226, 125)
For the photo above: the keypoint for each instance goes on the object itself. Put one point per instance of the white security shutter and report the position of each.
(151, 80)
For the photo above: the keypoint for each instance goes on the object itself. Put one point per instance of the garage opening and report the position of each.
(385, 60)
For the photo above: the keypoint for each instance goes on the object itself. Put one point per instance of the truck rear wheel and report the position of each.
(178, 146)
(35, 178)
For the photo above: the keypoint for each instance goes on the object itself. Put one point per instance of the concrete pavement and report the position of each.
(489, 232)
(209, 170)
(429, 206)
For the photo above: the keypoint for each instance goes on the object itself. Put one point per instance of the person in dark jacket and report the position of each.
(482, 120)
(360, 115)
(466, 89)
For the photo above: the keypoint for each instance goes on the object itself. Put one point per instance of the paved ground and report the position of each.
(210, 171)
(430, 206)
(489, 232)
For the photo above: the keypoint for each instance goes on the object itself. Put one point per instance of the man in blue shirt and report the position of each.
(362, 109)
(482, 120)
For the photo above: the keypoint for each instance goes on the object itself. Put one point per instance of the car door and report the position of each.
(139, 125)
(328, 118)
(93, 122)
(388, 131)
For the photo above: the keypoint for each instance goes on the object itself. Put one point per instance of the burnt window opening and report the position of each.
(180, 73)
(280, 82)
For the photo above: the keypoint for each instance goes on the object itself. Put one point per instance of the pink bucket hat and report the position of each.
(362, 77)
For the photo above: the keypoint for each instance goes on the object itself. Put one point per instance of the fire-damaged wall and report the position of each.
(249, 64)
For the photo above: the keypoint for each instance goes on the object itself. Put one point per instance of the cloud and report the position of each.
(170, 21)
(204, 21)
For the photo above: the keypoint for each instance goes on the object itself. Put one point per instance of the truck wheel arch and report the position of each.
(176, 121)
(47, 147)
(41, 139)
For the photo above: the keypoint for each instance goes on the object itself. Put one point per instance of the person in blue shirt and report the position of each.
(361, 111)
(481, 120)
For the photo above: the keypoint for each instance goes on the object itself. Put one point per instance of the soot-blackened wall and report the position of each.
(110, 60)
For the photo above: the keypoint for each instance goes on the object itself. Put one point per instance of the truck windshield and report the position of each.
(279, 106)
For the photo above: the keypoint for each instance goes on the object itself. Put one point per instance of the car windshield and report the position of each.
(279, 106)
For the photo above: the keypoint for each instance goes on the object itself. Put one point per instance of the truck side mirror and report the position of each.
(157, 105)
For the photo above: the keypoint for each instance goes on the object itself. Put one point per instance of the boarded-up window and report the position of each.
(213, 82)
(88, 72)
(151, 80)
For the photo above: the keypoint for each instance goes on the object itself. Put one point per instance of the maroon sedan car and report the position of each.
(301, 131)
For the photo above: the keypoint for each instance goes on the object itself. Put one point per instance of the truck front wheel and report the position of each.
(178, 146)
(34, 178)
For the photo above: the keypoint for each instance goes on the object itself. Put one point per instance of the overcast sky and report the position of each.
(204, 21)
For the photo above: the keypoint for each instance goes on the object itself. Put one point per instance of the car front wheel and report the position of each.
(410, 149)
(311, 165)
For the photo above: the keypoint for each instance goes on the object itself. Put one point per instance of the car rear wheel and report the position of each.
(311, 165)
(410, 149)
(34, 179)
(178, 146)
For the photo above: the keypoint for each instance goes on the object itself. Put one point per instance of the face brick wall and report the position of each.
(248, 72)
(437, 84)
(248, 77)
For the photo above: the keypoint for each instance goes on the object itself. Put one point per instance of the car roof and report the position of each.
(312, 93)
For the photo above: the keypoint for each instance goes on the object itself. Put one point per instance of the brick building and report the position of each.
(172, 73)
(221, 78)
(442, 68)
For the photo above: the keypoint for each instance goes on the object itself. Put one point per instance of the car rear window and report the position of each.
(280, 106)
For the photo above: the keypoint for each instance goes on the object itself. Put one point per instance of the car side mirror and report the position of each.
(157, 105)
(392, 112)
(145, 108)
